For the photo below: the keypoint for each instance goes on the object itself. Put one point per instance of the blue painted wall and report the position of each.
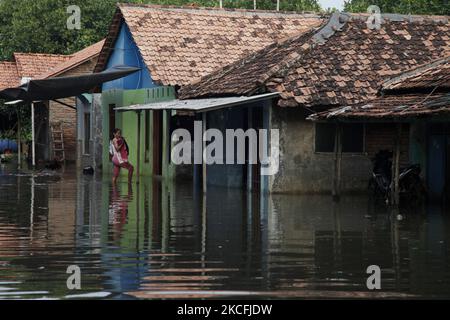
(126, 53)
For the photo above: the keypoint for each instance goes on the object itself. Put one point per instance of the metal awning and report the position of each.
(199, 105)
(63, 87)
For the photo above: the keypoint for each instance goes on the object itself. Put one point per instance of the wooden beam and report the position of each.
(337, 162)
(395, 190)
(19, 141)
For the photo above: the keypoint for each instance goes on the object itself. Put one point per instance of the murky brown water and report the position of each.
(161, 241)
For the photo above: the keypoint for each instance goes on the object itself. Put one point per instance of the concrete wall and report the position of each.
(302, 170)
(94, 158)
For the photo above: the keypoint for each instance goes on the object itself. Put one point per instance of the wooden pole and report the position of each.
(33, 138)
(395, 192)
(19, 142)
(337, 162)
(138, 158)
(205, 181)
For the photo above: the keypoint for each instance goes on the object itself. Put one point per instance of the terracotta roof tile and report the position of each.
(431, 75)
(414, 105)
(342, 48)
(8, 75)
(31, 65)
(179, 45)
(75, 60)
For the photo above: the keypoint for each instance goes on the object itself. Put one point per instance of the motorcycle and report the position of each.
(411, 188)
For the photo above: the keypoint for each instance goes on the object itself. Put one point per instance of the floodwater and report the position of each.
(160, 240)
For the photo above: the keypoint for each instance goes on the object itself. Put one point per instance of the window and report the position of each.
(87, 132)
(325, 137)
(352, 137)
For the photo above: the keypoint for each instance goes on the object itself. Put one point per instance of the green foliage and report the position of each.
(11, 113)
(430, 7)
(41, 25)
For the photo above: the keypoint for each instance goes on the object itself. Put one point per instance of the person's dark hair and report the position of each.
(114, 132)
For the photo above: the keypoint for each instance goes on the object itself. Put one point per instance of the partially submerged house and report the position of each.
(342, 63)
(174, 46)
(418, 103)
(79, 122)
(61, 114)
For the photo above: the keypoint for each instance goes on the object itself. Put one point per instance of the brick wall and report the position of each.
(382, 136)
(68, 117)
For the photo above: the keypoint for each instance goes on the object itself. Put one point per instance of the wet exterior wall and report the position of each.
(128, 122)
(302, 170)
(94, 157)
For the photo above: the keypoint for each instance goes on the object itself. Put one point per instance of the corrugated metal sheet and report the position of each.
(199, 105)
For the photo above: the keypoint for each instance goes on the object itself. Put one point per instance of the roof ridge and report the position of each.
(43, 54)
(400, 17)
(219, 10)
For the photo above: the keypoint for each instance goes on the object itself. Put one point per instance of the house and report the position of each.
(175, 46)
(418, 102)
(80, 139)
(26, 66)
(342, 63)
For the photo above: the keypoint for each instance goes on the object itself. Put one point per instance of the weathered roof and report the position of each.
(422, 91)
(343, 63)
(31, 65)
(198, 105)
(245, 77)
(435, 75)
(8, 75)
(391, 107)
(180, 44)
(75, 60)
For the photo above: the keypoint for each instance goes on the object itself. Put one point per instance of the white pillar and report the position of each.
(33, 138)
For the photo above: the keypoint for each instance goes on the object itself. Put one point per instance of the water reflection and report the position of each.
(164, 240)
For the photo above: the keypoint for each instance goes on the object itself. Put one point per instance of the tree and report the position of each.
(430, 7)
(41, 25)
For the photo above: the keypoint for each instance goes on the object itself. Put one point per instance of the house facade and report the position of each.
(418, 103)
(175, 46)
(61, 114)
(341, 63)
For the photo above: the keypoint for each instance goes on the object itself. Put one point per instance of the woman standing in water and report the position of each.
(120, 156)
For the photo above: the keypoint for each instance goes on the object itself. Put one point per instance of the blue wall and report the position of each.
(126, 53)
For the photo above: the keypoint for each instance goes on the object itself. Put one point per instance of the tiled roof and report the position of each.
(180, 44)
(8, 75)
(392, 107)
(435, 75)
(32, 65)
(76, 59)
(245, 77)
(344, 62)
